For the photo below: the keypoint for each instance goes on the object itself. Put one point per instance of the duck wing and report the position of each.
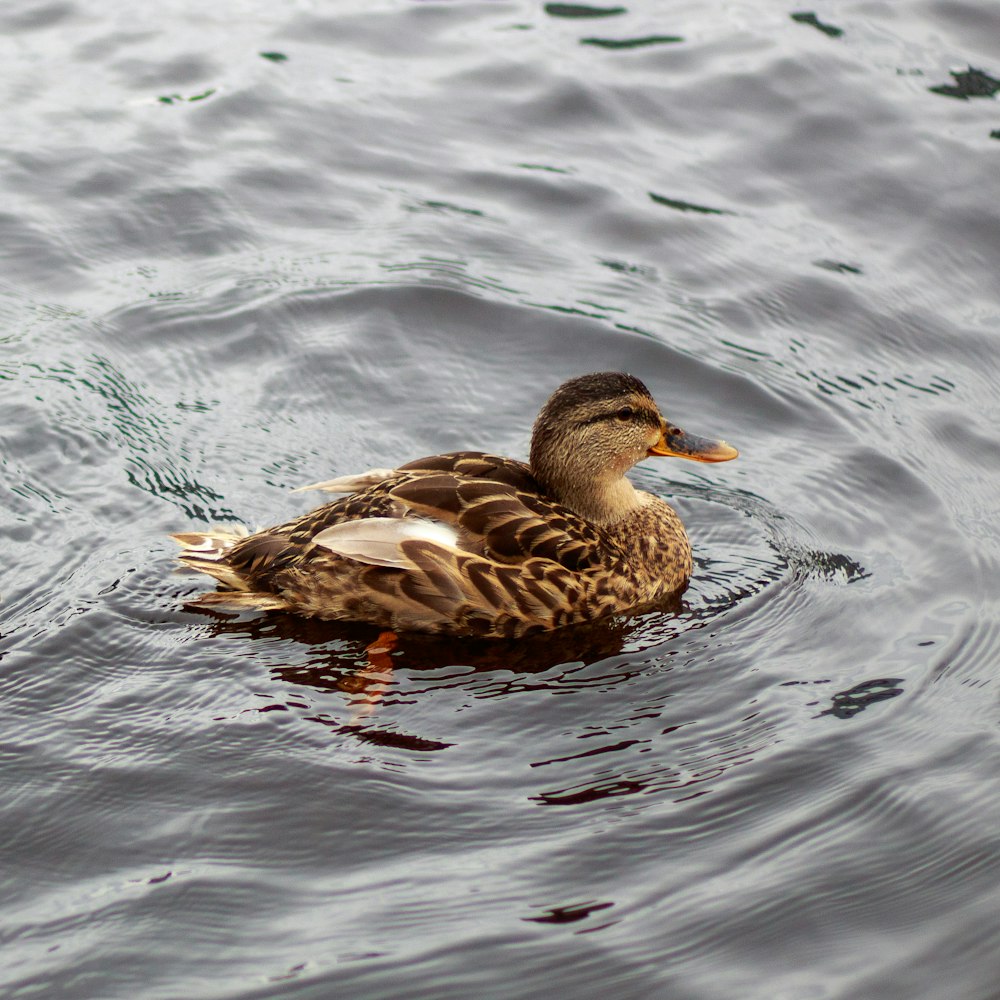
(412, 573)
(465, 539)
(248, 562)
(503, 523)
(476, 465)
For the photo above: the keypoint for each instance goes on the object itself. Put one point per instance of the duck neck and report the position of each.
(603, 499)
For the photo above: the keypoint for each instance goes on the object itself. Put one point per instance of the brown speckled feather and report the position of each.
(465, 542)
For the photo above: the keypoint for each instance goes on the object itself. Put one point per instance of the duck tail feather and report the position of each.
(350, 484)
(211, 544)
(206, 552)
(239, 601)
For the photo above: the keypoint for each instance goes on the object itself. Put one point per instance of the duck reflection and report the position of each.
(363, 665)
(640, 745)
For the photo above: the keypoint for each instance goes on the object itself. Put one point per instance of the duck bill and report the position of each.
(673, 441)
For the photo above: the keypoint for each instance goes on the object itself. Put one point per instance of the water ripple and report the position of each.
(256, 248)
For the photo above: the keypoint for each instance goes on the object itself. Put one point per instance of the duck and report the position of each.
(473, 544)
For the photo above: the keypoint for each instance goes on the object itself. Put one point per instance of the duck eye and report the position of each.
(625, 413)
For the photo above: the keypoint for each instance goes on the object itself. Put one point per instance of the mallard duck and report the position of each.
(474, 544)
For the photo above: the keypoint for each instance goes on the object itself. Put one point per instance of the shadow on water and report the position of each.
(339, 648)
(364, 667)
(810, 18)
(573, 10)
(968, 83)
(640, 743)
(847, 704)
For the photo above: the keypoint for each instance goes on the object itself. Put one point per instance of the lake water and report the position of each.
(248, 246)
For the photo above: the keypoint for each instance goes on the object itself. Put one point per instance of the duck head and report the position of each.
(593, 429)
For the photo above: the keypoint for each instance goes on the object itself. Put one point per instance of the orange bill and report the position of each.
(674, 441)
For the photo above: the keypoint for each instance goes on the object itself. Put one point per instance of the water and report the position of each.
(253, 246)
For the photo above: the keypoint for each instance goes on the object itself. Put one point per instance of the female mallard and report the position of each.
(475, 544)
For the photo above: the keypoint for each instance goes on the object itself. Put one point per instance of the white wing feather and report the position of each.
(376, 540)
(349, 484)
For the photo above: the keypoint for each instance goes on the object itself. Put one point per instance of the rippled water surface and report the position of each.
(251, 245)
